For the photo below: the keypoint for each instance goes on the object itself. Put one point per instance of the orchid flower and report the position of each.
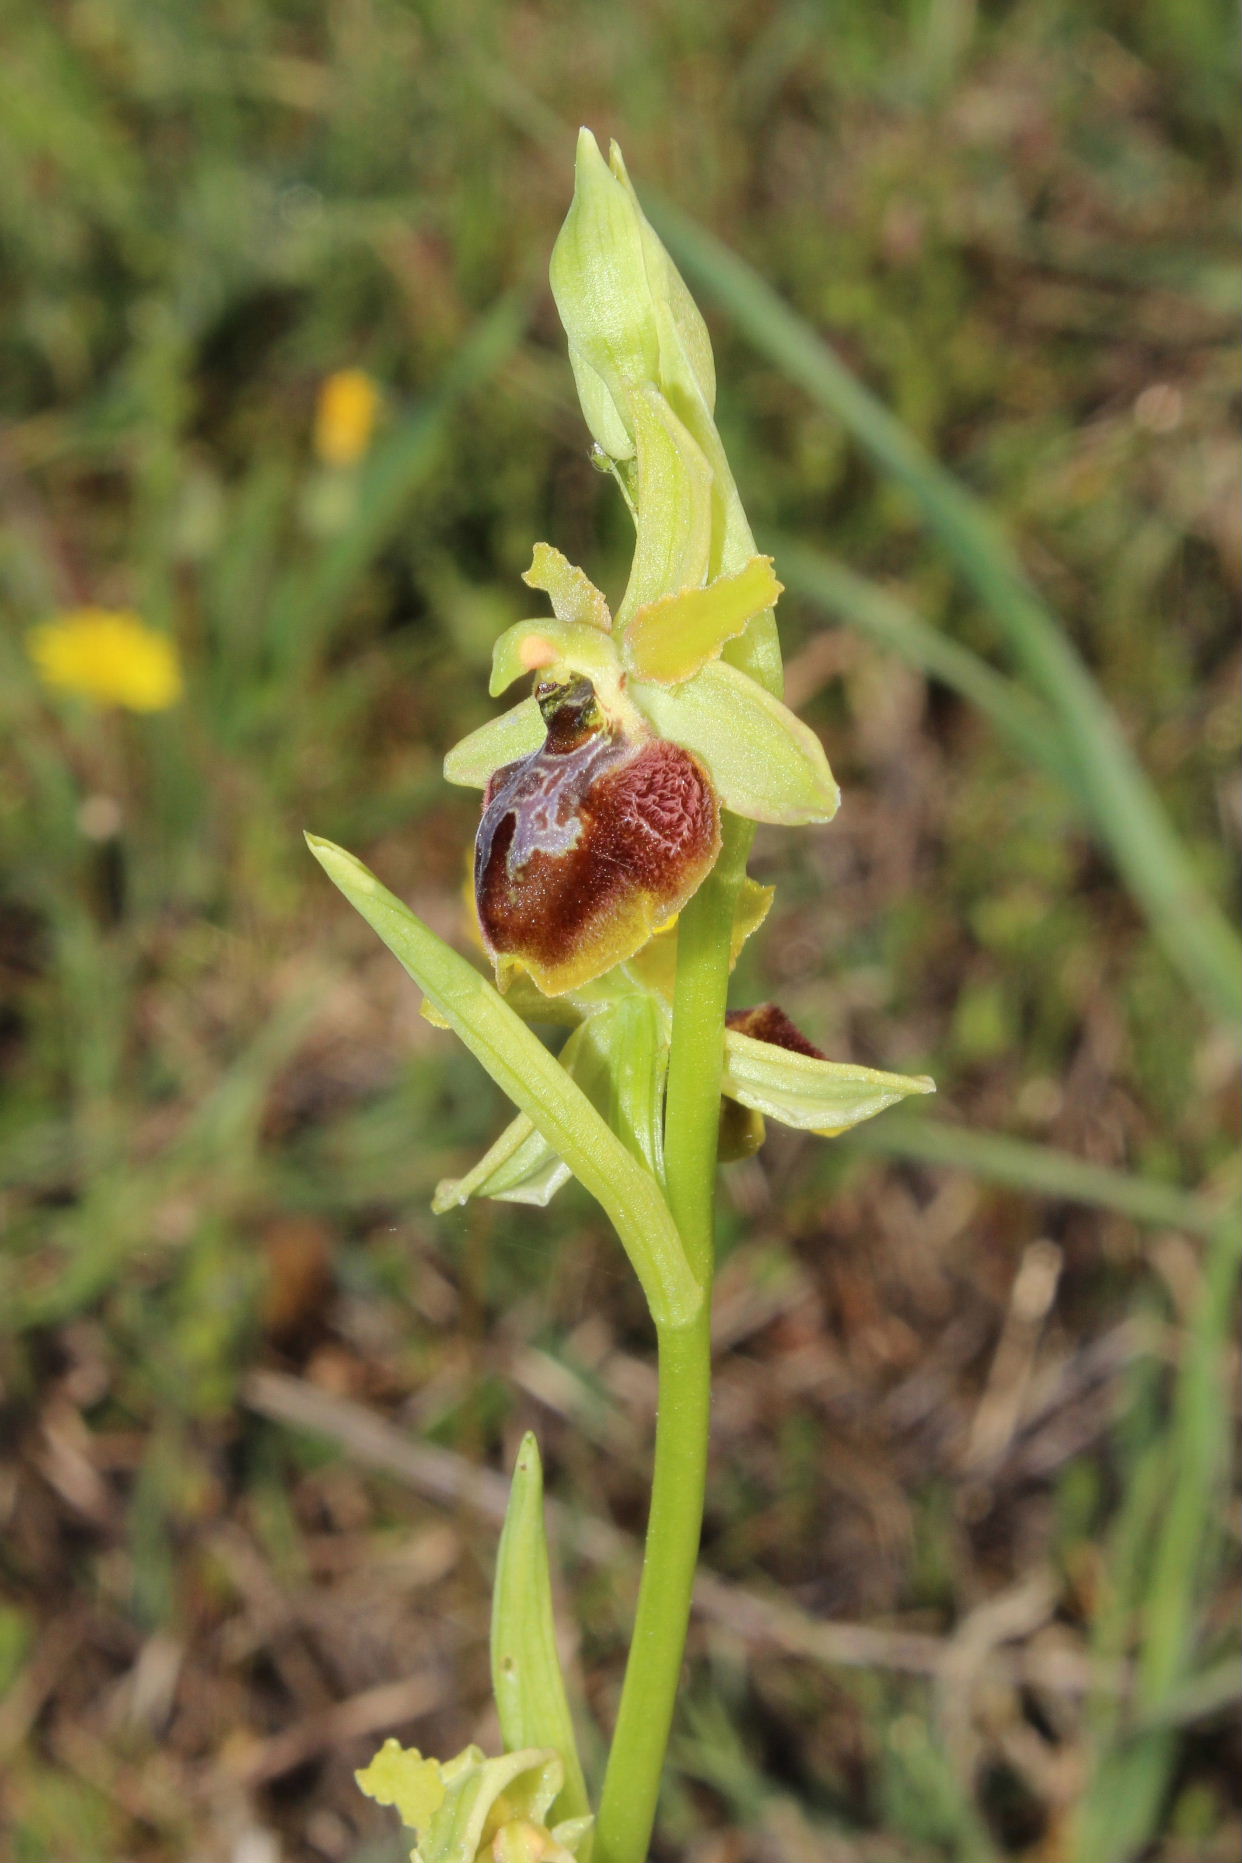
(611, 899)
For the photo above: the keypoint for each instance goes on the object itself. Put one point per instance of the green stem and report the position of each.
(653, 1670)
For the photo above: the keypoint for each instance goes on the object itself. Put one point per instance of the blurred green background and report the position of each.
(973, 1586)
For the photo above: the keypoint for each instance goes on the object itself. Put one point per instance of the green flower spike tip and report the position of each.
(477, 1810)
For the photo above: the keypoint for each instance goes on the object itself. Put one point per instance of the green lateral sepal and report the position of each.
(813, 1095)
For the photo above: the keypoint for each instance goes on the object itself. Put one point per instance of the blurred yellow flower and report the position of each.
(345, 417)
(108, 655)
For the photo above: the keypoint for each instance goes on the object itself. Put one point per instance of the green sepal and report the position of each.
(826, 1097)
(537, 1084)
(619, 1058)
(672, 548)
(521, 1167)
(515, 734)
(526, 1672)
(763, 761)
(620, 1061)
(573, 595)
(671, 639)
(530, 646)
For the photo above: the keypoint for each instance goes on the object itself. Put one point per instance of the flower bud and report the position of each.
(629, 318)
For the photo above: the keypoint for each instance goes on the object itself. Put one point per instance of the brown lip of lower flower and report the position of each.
(589, 845)
(768, 1022)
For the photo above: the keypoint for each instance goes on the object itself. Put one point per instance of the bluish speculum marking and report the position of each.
(590, 844)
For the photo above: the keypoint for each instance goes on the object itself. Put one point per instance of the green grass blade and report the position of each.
(1026, 725)
(1121, 1808)
(1125, 810)
(1040, 1169)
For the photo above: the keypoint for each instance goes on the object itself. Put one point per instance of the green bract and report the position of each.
(526, 1670)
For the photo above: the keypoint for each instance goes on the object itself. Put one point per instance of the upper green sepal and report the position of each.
(543, 646)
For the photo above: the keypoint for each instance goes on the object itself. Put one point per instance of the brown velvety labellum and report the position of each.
(589, 845)
(769, 1023)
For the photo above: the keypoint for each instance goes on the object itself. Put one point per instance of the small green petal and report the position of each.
(506, 739)
(671, 639)
(574, 596)
(674, 498)
(765, 763)
(401, 1777)
(532, 646)
(814, 1096)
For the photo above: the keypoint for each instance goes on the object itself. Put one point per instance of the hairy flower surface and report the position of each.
(637, 735)
(108, 655)
(589, 845)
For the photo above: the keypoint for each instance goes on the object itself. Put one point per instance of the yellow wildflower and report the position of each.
(345, 416)
(108, 655)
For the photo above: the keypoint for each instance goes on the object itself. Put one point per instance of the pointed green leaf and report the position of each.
(573, 595)
(815, 1096)
(526, 1670)
(674, 497)
(516, 733)
(671, 639)
(537, 1084)
(521, 1167)
(531, 646)
(765, 763)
